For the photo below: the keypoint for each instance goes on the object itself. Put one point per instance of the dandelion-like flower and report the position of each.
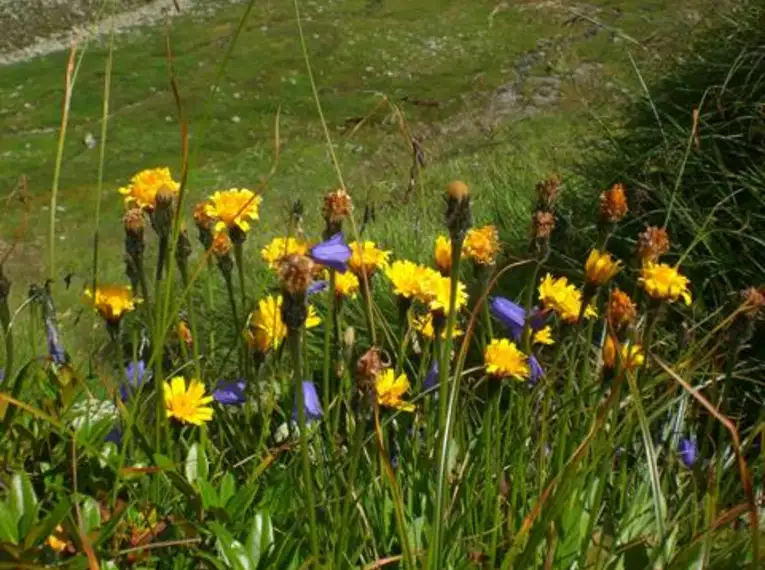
(390, 388)
(630, 355)
(408, 278)
(652, 244)
(563, 298)
(600, 268)
(234, 209)
(436, 292)
(267, 329)
(613, 204)
(442, 254)
(503, 359)
(346, 285)
(280, 248)
(481, 245)
(57, 541)
(112, 301)
(664, 282)
(621, 310)
(142, 190)
(544, 336)
(187, 405)
(367, 257)
(424, 326)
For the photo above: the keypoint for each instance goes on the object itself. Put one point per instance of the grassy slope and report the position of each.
(456, 53)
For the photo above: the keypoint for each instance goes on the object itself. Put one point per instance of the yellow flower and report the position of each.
(346, 285)
(143, 187)
(282, 247)
(631, 356)
(436, 289)
(373, 258)
(600, 267)
(481, 245)
(443, 254)
(503, 359)
(112, 301)
(563, 298)
(57, 541)
(187, 405)
(407, 278)
(424, 325)
(664, 282)
(234, 208)
(389, 390)
(267, 330)
(544, 336)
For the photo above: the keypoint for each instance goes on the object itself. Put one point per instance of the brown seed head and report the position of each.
(368, 367)
(337, 206)
(134, 222)
(753, 300)
(165, 197)
(621, 309)
(653, 243)
(201, 218)
(613, 204)
(547, 191)
(543, 224)
(221, 245)
(296, 273)
(457, 190)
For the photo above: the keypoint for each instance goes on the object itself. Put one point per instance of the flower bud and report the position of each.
(653, 243)
(296, 274)
(459, 216)
(162, 216)
(547, 192)
(613, 204)
(205, 224)
(337, 207)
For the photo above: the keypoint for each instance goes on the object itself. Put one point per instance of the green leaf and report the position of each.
(23, 502)
(227, 489)
(17, 384)
(38, 533)
(208, 494)
(196, 466)
(230, 549)
(261, 538)
(8, 522)
(91, 514)
(168, 468)
(242, 501)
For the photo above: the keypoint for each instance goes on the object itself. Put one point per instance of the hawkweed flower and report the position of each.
(621, 310)
(543, 336)
(631, 356)
(136, 375)
(442, 254)
(424, 326)
(652, 244)
(503, 359)
(279, 248)
(481, 245)
(57, 541)
(229, 393)
(459, 215)
(688, 452)
(389, 389)
(142, 190)
(133, 223)
(431, 378)
(346, 285)
(542, 226)
(366, 257)
(563, 298)
(436, 292)
(333, 253)
(205, 224)
(337, 206)
(664, 283)
(267, 329)
(234, 209)
(408, 278)
(187, 405)
(112, 301)
(311, 403)
(183, 330)
(600, 268)
(613, 204)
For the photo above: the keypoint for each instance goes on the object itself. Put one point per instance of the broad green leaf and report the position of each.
(226, 489)
(23, 502)
(196, 466)
(261, 538)
(208, 494)
(91, 515)
(231, 550)
(168, 467)
(242, 501)
(8, 522)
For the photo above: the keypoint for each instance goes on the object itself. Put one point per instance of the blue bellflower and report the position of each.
(431, 380)
(333, 253)
(136, 376)
(55, 350)
(514, 317)
(535, 369)
(229, 393)
(317, 287)
(311, 402)
(688, 452)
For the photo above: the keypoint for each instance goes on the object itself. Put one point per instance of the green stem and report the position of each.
(295, 340)
(239, 257)
(5, 322)
(328, 328)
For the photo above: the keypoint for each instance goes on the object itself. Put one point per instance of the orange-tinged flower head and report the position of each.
(443, 254)
(631, 356)
(112, 301)
(221, 245)
(653, 243)
(613, 204)
(57, 541)
(481, 245)
(346, 284)
(142, 190)
(390, 388)
(503, 359)
(543, 336)
(435, 291)
(542, 225)
(366, 256)
(664, 282)
(753, 301)
(234, 208)
(600, 267)
(296, 273)
(563, 298)
(547, 191)
(337, 206)
(621, 309)
(201, 218)
(187, 405)
(280, 247)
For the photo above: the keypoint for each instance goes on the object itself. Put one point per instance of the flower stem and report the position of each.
(295, 339)
(329, 325)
